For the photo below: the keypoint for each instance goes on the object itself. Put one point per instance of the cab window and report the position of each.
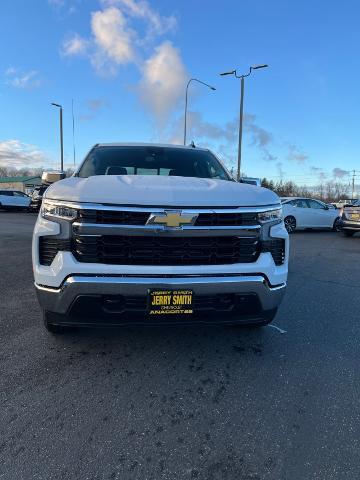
(300, 203)
(315, 204)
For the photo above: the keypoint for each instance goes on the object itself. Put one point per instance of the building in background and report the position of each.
(22, 184)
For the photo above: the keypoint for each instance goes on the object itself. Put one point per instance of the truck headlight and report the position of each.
(53, 210)
(270, 216)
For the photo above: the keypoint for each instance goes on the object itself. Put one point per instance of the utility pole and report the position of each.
(353, 185)
(61, 135)
(242, 88)
(73, 128)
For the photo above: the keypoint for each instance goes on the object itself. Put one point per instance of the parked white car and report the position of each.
(300, 213)
(13, 199)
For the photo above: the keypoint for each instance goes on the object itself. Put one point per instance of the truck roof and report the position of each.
(140, 144)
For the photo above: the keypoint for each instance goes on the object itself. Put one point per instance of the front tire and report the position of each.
(348, 233)
(337, 225)
(290, 223)
(49, 319)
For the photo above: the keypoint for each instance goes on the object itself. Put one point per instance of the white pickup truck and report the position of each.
(157, 234)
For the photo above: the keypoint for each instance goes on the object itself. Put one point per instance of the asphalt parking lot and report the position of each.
(185, 403)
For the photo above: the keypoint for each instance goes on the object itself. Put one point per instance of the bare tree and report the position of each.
(328, 192)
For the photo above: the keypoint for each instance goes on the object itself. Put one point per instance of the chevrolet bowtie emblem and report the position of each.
(174, 219)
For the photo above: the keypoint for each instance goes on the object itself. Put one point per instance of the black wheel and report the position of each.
(348, 233)
(290, 223)
(54, 328)
(337, 225)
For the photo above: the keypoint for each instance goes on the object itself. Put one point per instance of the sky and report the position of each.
(125, 65)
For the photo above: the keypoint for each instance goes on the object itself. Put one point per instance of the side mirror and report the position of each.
(326, 207)
(52, 176)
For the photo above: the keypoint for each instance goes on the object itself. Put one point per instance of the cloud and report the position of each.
(156, 24)
(259, 136)
(23, 80)
(222, 138)
(10, 71)
(319, 172)
(114, 41)
(74, 45)
(198, 127)
(163, 81)
(296, 155)
(57, 3)
(64, 6)
(340, 173)
(16, 154)
(111, 43)
(122, 32)
(93, 106)
(279, 166)
(112, 36)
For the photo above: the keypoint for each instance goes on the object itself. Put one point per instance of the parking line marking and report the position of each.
(277, 328)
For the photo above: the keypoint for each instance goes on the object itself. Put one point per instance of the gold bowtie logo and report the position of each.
(172, 219)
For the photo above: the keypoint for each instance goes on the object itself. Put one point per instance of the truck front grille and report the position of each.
(226, 219)
(140, 218)
(159, 250)
(114, 217)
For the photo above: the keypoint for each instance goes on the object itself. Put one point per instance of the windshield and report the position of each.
(149, 160)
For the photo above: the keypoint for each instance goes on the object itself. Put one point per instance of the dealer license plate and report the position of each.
(170, 302)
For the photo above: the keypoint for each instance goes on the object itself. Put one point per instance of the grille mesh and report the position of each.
(157, 250)
(114, 217)
(140, 218)
(226, 219)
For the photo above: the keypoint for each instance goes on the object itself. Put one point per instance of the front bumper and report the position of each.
(78, 288)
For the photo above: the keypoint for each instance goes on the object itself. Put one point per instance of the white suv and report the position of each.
(158, 234)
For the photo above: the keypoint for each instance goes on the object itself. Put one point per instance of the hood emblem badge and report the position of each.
(172, 219)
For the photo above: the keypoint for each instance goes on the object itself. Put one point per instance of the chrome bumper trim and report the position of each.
(160, 209)
(60, 299)
(99, 229)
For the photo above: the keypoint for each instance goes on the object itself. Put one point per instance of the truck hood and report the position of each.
(161, 191)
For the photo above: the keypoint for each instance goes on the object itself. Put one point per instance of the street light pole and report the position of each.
(186, 101)
(242, 82)
(242, 89)
(61, 135)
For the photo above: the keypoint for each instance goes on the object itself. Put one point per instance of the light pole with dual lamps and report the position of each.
(186, 100)
(242, 77)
